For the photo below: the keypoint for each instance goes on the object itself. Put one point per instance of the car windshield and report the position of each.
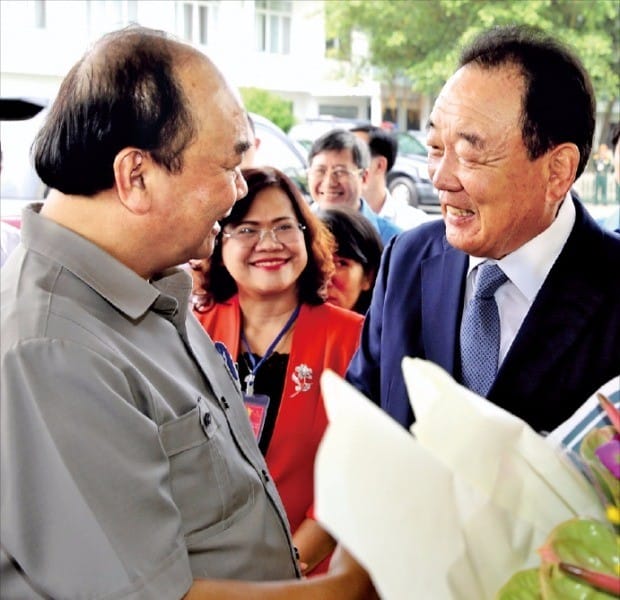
(305, 133)
(278, 150)
(408, 144)
(275, 151)
(18, 179)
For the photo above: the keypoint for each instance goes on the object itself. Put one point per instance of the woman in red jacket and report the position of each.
(262, 295)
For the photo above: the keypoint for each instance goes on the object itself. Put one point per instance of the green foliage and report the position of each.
(582, 543)
(269, 105)
(421, 39)
(523, 585)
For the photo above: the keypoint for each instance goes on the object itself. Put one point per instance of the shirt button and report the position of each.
(206, 419)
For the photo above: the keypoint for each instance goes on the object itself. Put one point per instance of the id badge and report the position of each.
(256, 405)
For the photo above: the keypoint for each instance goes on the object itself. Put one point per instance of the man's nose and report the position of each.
(242, 186)
(443, 173)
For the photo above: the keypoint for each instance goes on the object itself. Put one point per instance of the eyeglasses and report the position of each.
(283, 233)
(340, 174)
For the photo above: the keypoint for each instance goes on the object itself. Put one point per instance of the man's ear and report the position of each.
(130, 166)
(364, 176)
(382, 163)
(563, 161)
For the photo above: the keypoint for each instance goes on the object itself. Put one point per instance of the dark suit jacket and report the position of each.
(567, 347)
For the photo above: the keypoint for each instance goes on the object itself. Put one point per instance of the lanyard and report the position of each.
(249, 379)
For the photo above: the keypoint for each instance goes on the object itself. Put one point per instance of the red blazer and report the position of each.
(325, 336)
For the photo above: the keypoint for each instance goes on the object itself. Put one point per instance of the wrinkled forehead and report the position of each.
(481, 96)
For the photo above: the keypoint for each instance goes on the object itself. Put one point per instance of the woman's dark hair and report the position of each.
(218, 284)
(122, 93)
(558, 105)
(358, 240)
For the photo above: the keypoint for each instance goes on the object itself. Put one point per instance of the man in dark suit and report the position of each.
(508, 135)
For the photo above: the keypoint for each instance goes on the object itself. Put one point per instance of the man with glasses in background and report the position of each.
(383, 147)
(339, 163)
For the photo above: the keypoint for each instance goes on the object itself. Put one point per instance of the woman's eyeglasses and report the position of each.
(248, 236)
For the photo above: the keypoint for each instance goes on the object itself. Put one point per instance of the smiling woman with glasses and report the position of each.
(261, 298)
(285, 232)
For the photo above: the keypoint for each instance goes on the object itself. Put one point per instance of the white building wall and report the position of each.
(33, 61)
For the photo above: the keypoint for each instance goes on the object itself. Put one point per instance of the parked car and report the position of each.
(420, 134)
(305, 133)
(408, 180)
(412, 142)
(278, 150)
(20, 184)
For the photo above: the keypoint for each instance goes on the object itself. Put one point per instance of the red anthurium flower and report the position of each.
(612, 412)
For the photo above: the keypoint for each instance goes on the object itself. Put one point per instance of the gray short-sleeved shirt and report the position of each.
(128, 465)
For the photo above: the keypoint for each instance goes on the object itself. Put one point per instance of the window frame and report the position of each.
(272, 25)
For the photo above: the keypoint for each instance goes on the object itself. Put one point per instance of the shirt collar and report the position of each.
(528, 266)
(118, 284)
(388, 208)
(370, 214)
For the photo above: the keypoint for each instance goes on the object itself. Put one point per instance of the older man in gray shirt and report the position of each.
(128, 465)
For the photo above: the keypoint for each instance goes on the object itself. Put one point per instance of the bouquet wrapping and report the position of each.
(453, 511)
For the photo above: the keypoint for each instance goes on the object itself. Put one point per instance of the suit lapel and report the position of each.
(561, 310)
(443, 279)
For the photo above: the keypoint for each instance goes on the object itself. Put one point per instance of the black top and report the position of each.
(269, 381)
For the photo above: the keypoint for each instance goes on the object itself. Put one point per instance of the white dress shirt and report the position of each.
(9, 239)
(401, 214)
(526, 268)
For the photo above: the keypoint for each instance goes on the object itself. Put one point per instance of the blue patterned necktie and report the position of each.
(480, 331)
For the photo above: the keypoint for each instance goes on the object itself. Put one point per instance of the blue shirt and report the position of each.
(387, 230)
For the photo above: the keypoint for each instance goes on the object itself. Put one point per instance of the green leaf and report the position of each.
(421, 38)
(269, 105)
(582, 542)
(523, 585)
(557, 585)
(608, 484)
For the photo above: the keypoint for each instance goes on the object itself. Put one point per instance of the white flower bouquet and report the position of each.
(454, 511)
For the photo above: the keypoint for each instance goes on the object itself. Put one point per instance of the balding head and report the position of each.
(126, 91)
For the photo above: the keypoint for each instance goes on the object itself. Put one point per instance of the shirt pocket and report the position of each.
(209, 480)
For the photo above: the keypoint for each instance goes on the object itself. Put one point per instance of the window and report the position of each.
(198, 21)
(413, 118)
(273, 26)
(39, 14)
(108, 14)
(343, 112)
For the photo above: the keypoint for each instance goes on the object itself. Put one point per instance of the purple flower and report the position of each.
(609, 455)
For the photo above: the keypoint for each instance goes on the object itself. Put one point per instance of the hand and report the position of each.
(314, 544)
(346, 580)
(360, 584)
(201, 300)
